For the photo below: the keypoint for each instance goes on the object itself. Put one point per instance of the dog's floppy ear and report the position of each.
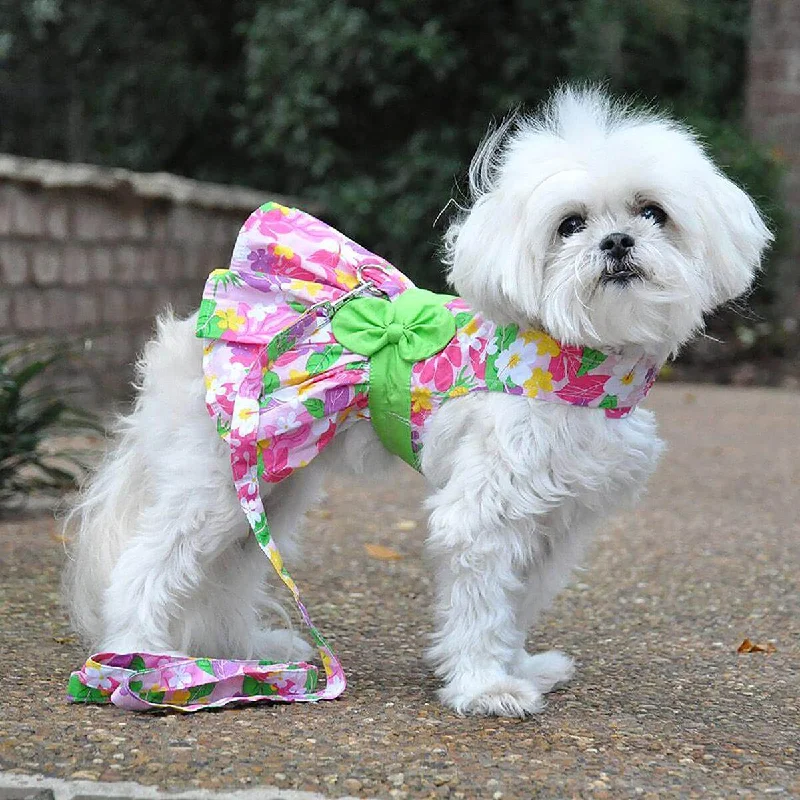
(734, 235)
(484, 251)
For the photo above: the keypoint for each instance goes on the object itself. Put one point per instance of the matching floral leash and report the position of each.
(144, 681)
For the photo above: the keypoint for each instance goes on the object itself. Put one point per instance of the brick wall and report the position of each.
(91, 255)
(773, 112)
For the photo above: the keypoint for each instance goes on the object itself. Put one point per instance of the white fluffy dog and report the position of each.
(602, 226)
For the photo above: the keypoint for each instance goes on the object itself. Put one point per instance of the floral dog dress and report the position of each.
(305, 334)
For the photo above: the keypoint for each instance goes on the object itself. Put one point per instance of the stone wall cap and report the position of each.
(146, 185)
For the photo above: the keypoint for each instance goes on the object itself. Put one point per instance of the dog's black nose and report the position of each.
(617, 245)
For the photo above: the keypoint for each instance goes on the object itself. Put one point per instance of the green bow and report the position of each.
(394, 335)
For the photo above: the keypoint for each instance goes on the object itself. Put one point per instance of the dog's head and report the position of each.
(605, 226)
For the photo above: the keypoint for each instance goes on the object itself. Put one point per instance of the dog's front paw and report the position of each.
(505, 696)
(544, 670)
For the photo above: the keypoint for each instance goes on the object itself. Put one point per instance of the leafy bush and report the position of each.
(30, 415)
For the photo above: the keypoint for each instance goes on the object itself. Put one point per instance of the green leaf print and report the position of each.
(199, 692)
(225, 278)
(137, 664)
(251, 686)
(223, 427)
(261, 530)
(506, 335)
(311, 680)
(148, 694)
(205, 665)
(270, 382)
(315, 407)
(319, 362)
(590, 359)
(207, 320)
(463, 318)
(85, 694)
(296, 306)
(609, 401)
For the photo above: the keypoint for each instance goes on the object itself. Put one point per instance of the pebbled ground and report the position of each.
(662, 704)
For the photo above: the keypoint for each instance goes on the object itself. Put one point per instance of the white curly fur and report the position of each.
(162, 558)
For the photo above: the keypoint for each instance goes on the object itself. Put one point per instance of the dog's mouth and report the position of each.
(621, 273)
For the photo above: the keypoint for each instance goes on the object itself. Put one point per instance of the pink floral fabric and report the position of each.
(266, 324)
(142, 681)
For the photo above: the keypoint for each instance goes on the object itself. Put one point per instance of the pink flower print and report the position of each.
(582, 391)
(439, 370)
(241, 465)
(329, 267)
(275, 464)
(477, 360)
(328, 258)
(568, 363)
(326, 437)
(272, 221)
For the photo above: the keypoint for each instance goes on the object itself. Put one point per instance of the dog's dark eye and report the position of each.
(654, 213)
(571, 225)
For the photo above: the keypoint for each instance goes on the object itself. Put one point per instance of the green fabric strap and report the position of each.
(394, 335)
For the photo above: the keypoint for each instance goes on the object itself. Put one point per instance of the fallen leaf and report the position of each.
(382, 553)
(751, 647)
(405, 525)
(65, 639)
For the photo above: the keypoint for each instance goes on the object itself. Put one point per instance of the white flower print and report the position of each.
(97, 677)
(246, 417)
(516, 362)
(261, 311)
(287, 422)
(623, 380)
(179, 679)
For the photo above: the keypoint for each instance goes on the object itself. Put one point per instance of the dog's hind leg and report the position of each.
(193, 579)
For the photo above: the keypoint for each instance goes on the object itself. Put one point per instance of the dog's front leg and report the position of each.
(480, 564)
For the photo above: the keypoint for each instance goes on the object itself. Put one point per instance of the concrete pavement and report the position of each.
(662, 704)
